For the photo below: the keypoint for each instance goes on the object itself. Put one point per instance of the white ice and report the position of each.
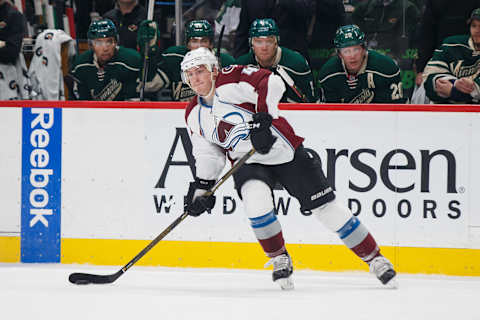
(39, 291)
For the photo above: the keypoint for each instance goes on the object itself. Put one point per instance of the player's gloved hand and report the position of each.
(260, 133)
(148, 33)
(194, 202)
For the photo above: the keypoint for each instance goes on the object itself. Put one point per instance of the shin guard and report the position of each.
(258, 203)
(351, 231)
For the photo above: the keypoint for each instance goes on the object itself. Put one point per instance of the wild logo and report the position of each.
(132, 27)
(49, 36)
(3, 24)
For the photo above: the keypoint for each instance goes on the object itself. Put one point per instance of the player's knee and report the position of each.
(257, 198)
(333, 215)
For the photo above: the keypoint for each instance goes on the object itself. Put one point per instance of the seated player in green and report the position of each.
(359, 75)
(291, 66)
(451, 75)
(166, 65)
(106, 71)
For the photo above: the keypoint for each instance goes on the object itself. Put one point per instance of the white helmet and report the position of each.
(195, 58)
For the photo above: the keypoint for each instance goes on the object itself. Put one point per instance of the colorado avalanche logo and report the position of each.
(230, 130)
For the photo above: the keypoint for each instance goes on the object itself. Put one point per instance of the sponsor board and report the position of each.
(41, 184)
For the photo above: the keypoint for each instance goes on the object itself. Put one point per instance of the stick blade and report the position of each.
(87, 278)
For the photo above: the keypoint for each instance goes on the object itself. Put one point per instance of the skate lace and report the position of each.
(279, 262)
(379, 266)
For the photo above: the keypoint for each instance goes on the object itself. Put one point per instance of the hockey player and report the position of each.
(451, 76)
(106, 71)
(198, 33)
(359, 75)
(291, 66)
(237, 108)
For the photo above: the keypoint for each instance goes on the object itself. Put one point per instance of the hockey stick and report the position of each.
(219, 46)
(284, 75)
(87, 278)
(146, 58)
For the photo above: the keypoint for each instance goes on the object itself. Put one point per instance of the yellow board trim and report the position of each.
(445, 261)
(9, 249)
(459, 262)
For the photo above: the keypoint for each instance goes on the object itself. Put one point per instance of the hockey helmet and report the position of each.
(196, 58)
(198, 29)
(475, 15)
(104, 28)
(349, 35)
(264, 28)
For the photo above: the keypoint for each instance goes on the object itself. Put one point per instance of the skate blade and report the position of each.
(285, 283)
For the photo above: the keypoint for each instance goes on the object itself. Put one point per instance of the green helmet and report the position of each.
(104, 28)
(475, 15)
(198, 29)
(264, 28)
(349, 35)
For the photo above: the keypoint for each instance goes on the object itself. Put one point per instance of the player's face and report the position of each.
(353, 57)
(265, 49)
(195, 43)
(475, 32)
(200, 80)
(104, 49)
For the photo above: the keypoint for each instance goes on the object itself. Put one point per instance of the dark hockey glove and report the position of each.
(194, 202)
(260, 133)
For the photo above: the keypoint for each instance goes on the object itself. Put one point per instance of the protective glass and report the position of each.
(350, 51)
(264, 41)
(103, 42)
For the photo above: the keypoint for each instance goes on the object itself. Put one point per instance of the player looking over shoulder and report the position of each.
(235, 109)
(359, 75)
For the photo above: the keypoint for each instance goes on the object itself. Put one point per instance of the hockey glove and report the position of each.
(260, 133)
(148, 33)
(194, 202)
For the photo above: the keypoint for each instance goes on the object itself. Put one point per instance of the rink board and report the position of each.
(408, 172)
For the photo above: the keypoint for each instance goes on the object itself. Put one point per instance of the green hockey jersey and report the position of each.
(116, 80)
(297, 71)
(168, 69)
(378, 81)
(456, 58)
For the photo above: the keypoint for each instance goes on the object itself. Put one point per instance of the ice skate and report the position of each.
(282, 271)
(383, 270)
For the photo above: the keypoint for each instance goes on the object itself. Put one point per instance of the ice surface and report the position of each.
(39, 291)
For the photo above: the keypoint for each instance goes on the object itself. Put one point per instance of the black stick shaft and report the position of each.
(86, 278)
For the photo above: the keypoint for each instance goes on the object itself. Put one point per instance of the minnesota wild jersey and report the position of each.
(296, 68)
(116, 80)
(378, 81)
(168, 68)
(455, 59)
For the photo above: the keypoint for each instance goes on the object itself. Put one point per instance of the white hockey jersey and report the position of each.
(13, 80)
(45, 70)
(221, 129)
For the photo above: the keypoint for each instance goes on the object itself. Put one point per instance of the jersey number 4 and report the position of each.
(249, 70)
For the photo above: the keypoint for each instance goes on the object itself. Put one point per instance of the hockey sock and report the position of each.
(351, 231)
(258, 203)
(268, 231)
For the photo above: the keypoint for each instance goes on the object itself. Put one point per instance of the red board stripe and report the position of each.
(283, 106)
